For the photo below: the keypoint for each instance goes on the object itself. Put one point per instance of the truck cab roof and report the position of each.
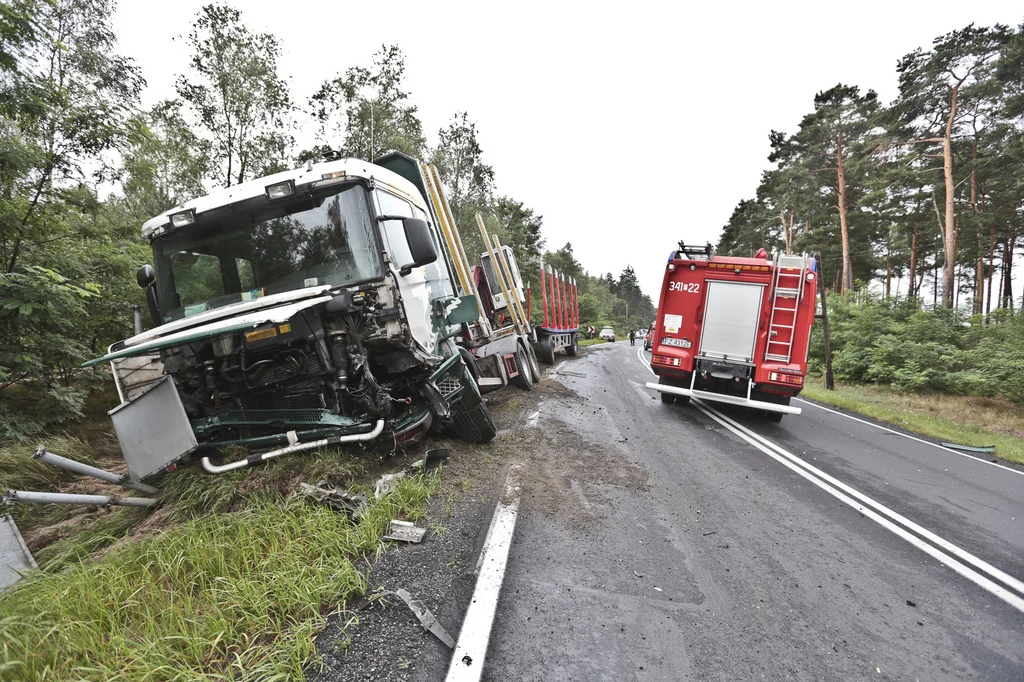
(322, 174)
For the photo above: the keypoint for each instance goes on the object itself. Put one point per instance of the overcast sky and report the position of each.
(628, 125)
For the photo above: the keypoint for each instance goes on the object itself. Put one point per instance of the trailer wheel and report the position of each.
(571, 349)
(471, 419)
(524, 379)
(547, 351)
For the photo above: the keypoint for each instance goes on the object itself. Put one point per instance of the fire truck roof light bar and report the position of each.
(718, 397)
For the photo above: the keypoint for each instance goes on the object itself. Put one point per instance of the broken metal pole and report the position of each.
(33, 497)
(43, 455)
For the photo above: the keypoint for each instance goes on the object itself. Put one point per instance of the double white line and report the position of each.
(981, 573)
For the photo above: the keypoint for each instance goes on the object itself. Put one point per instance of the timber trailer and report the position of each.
(318, 306)
(561, 315)
(734, 330)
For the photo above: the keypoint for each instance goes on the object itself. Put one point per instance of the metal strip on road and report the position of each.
(846, 494)
(905, 435)
(467, 663)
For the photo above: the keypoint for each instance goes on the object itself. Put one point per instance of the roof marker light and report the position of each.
(671, 266)
(333, 176)
(280, 190)
(810, 276)
(184, 218)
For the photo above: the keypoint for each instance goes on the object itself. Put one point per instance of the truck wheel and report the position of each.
(571, 349)
(531, 360)
(670, 398)
(547, 351)
(471, 419)
(523, 380)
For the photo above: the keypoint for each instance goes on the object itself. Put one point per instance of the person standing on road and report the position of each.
(632, 336)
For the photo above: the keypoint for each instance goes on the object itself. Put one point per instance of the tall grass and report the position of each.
(234, 596)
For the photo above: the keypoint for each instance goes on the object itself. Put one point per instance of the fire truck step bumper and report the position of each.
(718, 397)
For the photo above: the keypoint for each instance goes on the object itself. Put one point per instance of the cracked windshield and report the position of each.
(315, 240)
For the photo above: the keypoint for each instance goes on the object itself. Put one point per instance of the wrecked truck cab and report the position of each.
(302, 309)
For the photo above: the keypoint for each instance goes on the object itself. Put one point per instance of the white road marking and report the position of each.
(919, 440)
(846, 494)
(470, 651)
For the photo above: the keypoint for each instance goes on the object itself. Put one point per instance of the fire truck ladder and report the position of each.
(787, 292)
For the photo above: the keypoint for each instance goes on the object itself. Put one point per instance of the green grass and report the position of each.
(957, 419)
(235, 596)
(18, 471)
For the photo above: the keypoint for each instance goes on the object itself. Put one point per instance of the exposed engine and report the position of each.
(351, 357)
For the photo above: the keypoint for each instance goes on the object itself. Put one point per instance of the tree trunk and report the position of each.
(1011, 242)
(843, 226)
(991, 265)
(949, 232)
(912, 291)
(979, 265)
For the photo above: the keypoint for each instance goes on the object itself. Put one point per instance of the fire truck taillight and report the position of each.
(786, 378)
(664, 360)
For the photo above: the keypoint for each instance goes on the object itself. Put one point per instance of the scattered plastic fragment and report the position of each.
(403, 531)
(350, 505)
(968, 449)
(386, 483)
(637, 575)
(432, 459)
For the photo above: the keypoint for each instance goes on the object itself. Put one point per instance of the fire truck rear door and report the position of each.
(732, 311)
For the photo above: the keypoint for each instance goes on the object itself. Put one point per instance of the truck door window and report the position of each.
(394, 231)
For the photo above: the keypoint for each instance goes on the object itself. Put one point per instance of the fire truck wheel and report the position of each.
(547, 351)
(571, 349)
(671, 398)
(471, 419)
(523, 380)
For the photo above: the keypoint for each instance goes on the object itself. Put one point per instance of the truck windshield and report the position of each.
(320, 238)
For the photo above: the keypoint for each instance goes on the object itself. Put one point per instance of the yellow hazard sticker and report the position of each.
(261, 334)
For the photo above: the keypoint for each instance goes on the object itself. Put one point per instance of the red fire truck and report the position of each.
(734, 330)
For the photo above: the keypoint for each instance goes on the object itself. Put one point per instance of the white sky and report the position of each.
(627, 125)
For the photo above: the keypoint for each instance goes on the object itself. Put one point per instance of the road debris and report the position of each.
(637, 575)
(425, 617)
(710, 532)
(968, 448)
(350, 505)
(387, 483)
(432, 460)
(403, 531)
(15, 557)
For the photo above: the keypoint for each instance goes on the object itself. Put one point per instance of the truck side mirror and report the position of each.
(421, 245)
(146, 278)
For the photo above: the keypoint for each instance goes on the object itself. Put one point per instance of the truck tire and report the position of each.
(571, 349)
(672, 398)
(471, 419)
(532, 361)
(524, 380)
(547, 351)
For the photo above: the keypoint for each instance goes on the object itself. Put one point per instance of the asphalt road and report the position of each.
(660, 542)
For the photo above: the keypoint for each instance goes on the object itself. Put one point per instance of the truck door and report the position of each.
(732, 314)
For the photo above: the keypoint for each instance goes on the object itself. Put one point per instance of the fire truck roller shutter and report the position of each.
(732, 313)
